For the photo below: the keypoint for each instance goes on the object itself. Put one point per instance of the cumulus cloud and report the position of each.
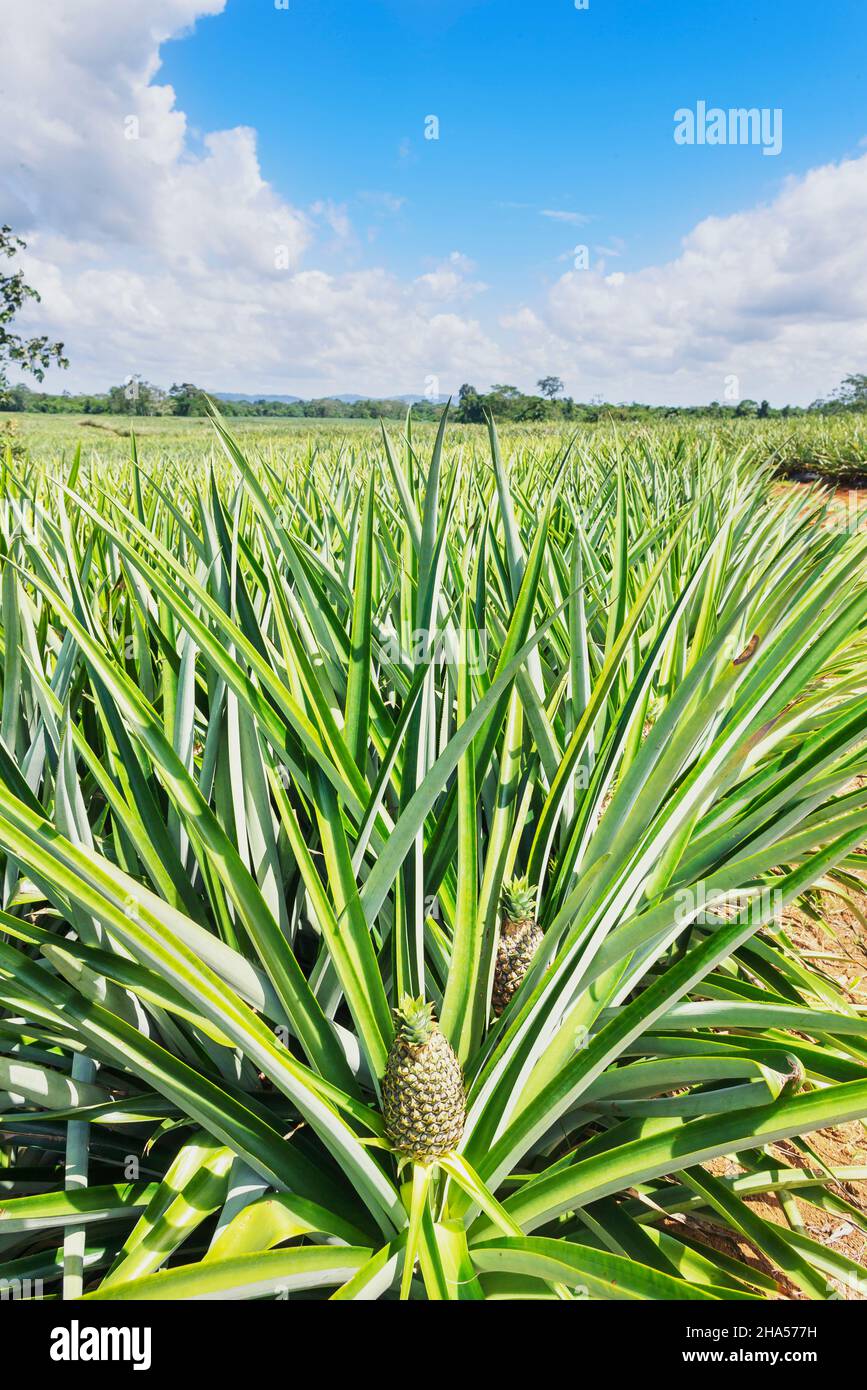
(99, 172)
(450, 280)
(156, 256)
(159, 253)
(776, 296)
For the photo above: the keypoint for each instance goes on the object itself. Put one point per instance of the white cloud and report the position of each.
(151, 257)
(308, 331)
(449, 281)
(616, 248)
(103, 153)
(335, 216)
(178, 259)
(577, 219)
(776, 295)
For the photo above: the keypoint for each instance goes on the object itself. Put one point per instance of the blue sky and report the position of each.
(241, 195)
(540, 105)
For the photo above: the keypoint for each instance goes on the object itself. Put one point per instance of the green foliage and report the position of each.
(506, 404)
(187, 399)
(414, 1020)
(550, 386)
(137, 397)
(518, 900)
(244, 810)
(470, 409)
(851, 394)
(32, 355)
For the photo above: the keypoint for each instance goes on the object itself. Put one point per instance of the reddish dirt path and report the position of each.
(848, 504)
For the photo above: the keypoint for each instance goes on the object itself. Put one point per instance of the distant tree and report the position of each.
(15, 398)
(550, 386)
(854, 389)
(533, 409)
(32, 355)
(136, 397)
(470, 409)
(851, 394)
(503, 402)
(187, 399)
(764, 410)
(747, 407)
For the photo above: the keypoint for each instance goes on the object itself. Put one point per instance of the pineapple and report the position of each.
(520, 935)
(423, 1097)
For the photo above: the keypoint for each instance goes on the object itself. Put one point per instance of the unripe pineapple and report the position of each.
(795, 1077)
(423, 1098)
(520, 935)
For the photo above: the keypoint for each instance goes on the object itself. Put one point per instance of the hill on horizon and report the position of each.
(347, 398)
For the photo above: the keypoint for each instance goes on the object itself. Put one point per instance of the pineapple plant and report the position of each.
(520, 935)
(226, 802)
(423, 1089)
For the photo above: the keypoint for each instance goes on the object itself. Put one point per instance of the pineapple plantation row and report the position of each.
(828, 447)
(397, 838)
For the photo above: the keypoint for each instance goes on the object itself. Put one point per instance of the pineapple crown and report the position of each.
(518, 900)
(416, 1024)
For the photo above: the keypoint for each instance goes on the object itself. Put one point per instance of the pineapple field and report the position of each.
(422, 855)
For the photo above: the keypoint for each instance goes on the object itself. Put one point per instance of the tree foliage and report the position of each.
(34, 355)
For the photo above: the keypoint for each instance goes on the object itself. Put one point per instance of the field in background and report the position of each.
(831, 447)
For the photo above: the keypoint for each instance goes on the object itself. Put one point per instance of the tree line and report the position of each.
(138, 397)
(505, 403)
